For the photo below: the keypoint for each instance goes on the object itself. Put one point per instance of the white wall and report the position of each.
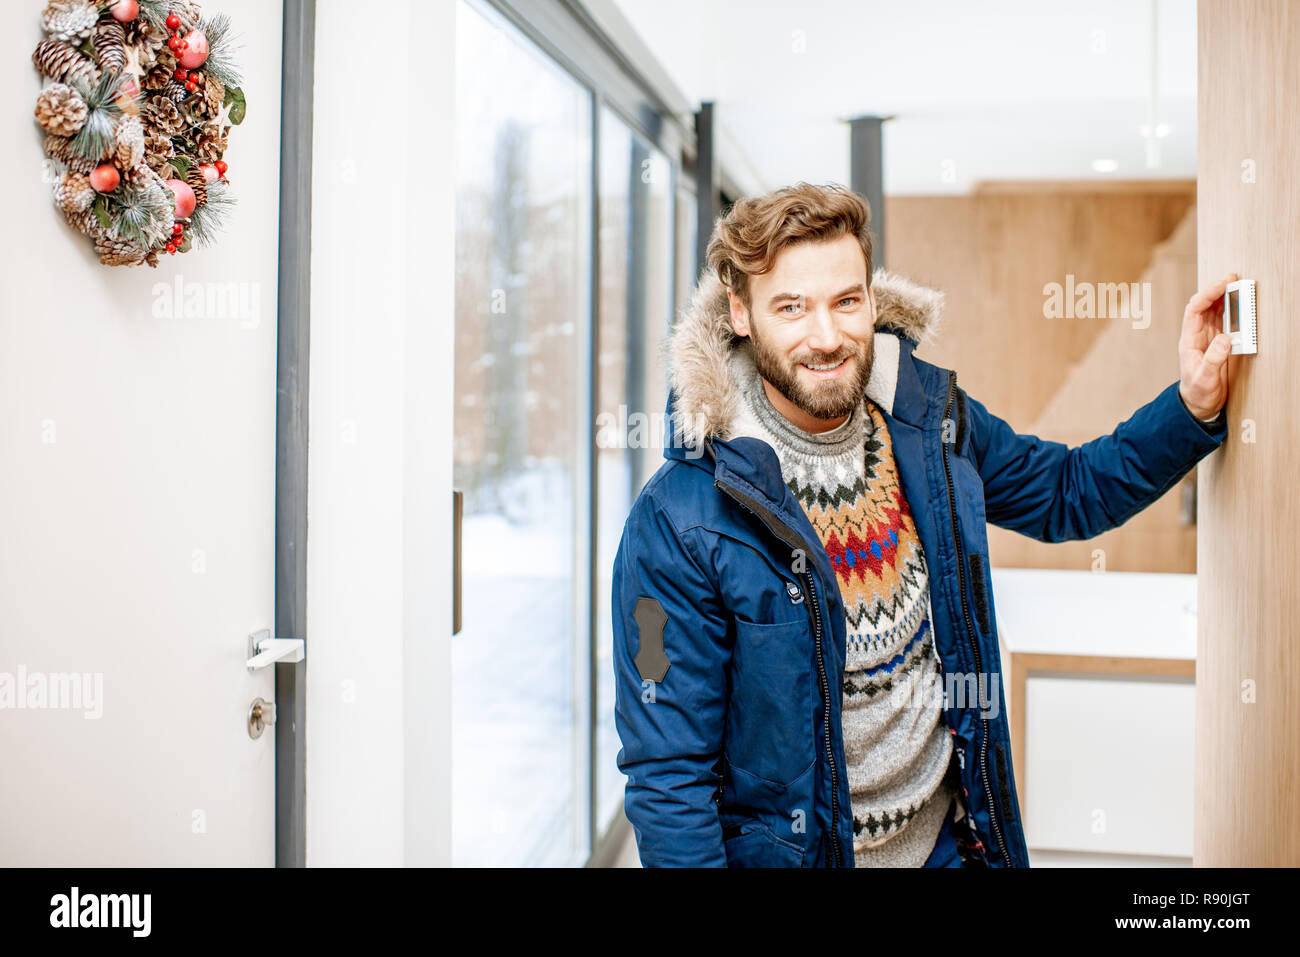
(379, 500)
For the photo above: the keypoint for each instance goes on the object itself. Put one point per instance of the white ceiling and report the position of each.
(1011, 89)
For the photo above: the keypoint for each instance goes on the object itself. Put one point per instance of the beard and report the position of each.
(827, 398)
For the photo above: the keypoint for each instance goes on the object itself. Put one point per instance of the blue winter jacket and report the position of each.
(729, 647)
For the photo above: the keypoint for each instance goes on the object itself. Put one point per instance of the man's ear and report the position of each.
(739, 314)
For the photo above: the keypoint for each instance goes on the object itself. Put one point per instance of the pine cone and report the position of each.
(84, 222)
(162, 113)
(148, 42)
(136, 176)
(64, 63)
(200, 186)
(57, 147)
(175, 91)
(214, 94)
(115, 251)
(73, 192)
(60, 109)
(158, 149)
(110, 43)
(208, 146)
(156, 79)
(140, 176)
(190, 13)
(67, 20)
(130, 142)
(140, 32)
(166, 61)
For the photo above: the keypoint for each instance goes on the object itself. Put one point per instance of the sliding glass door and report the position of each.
(565, 265)
(523, 268)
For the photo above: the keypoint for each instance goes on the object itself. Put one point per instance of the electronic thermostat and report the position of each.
(1239, 316)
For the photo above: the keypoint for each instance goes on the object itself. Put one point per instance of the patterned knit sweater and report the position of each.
(896, 743)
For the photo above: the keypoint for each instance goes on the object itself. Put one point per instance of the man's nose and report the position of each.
(825, 335)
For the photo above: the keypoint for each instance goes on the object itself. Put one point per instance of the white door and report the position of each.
(137, 484)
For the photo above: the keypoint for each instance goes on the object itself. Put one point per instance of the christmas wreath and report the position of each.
(142, 98)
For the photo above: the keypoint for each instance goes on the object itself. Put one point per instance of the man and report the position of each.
(805, 641)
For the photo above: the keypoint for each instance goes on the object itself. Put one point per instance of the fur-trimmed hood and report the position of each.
(700, 351)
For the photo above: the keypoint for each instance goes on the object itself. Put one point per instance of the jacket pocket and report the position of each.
(753, 845)
(769, 732)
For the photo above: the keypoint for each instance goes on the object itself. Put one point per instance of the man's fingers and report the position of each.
(1198, 330)
(1207, 297)
(1209, 372)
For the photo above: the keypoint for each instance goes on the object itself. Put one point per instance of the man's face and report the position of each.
(812, 309)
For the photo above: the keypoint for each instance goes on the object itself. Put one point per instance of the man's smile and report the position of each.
(826, 371)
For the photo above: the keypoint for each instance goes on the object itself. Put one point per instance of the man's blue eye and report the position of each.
(790, 305)
(848, 299)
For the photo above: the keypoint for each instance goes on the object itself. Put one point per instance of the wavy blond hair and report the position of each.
(746, 241)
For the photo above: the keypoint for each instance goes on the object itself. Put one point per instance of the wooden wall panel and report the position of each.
(992, 252)
(1124, 367)
(1247, 785)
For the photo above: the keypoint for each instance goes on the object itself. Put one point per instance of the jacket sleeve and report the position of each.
(1055, 493)
(671, 730)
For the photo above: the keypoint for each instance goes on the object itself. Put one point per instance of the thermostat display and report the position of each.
(1239, 316)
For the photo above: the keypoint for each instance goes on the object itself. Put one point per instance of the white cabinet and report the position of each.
(1099, 670)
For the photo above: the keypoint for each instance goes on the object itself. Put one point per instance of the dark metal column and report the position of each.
(867, 175)
(292, 364)
(708, 179)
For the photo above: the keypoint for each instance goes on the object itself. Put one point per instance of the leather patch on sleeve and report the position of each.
(651, 659)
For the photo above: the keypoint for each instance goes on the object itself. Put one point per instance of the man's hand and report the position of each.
(1203, 352)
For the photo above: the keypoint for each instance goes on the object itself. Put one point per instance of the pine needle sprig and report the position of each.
(141, 215)
(97, 137)
(221, 61)
(209, 219)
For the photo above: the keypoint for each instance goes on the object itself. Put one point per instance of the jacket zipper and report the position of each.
(776, 526)
(970, 628)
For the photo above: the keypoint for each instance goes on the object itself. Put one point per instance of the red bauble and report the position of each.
(191, 86)
(184, 197)
(194, 50)
(173, 43)
(193, 76)
(180, 75)
(177, 229)
(221, 167)
(173, 21)
(130, 90)
(124, 11)
(104, 178)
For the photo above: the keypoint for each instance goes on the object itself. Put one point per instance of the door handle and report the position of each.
(264, 650)
(457, 513)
